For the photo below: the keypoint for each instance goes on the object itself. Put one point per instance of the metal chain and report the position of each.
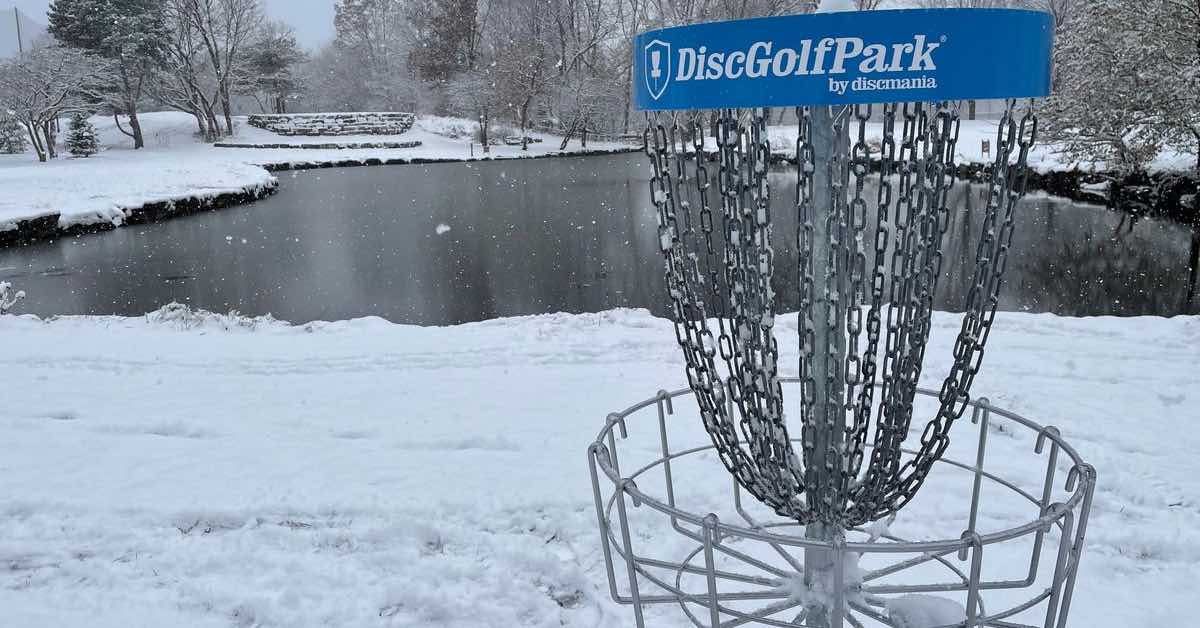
(744, 412)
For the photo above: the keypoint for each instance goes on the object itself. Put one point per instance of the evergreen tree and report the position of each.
(270, 63)
(130, 33)
(450, 34)
(81, 138)
(12, 137)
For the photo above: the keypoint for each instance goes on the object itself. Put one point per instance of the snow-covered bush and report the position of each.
(12, 136)
(81, 138)
(1128, 83)
(8, 298)
(496, 134)
(183, 317)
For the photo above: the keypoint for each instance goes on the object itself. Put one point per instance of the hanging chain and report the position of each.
(890, 297)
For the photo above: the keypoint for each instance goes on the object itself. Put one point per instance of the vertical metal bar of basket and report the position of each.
(1060, 566)
(980, 416)
(828, 348)
(593, 452)
(710, 539)
(1085, 473)
(664, 406)
(1047, 491)
(627, 541)
(976, 550)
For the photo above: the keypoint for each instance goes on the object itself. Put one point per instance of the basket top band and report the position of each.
(845, 58)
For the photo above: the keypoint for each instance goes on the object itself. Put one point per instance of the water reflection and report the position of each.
(528, 237)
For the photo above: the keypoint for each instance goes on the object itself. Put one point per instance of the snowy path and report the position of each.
(157, 473)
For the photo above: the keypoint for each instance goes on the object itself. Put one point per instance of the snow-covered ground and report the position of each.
(183, 470)
(969, 149)
(176, 165)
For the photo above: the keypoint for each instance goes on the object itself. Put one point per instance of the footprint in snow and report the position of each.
(354, 434)
(1172, 400)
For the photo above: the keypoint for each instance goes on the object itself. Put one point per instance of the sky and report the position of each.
(312, 19)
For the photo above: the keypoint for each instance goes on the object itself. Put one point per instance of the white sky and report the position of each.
(312, 19)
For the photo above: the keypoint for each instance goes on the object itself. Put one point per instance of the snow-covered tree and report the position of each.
(475, 93)
(269, 74)
(129, 33)
(375, 38)
(184, 80)
(42, 85)
(449, 33)
(523, 57)
(1129, 82)
(12, 136)
(81, 136)
(222, 32)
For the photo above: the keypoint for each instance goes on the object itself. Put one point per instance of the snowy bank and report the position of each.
(176, 173)
(185, 469)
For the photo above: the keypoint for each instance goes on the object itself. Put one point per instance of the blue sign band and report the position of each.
(844, 58)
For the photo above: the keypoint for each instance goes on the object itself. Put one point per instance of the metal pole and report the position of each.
(20, 44)
(829, 351)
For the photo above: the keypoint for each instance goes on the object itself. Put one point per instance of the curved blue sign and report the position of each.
(844, 58)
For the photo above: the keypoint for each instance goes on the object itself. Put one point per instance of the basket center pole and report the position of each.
(830, 283)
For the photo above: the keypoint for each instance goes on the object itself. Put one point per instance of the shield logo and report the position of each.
(657, 67)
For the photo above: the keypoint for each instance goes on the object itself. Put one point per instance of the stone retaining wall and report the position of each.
(324, 145)
(334, 124)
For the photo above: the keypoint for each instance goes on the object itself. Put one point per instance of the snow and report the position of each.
(822, 590)
(834, 6)
(84, 191)
(925, 611)
(176, 165)
(186, 469)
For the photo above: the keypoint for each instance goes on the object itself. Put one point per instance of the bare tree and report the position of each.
(224, 30)
(522, 56)
(45, 83)
(185, 81)
(378, 38)
(475, 93)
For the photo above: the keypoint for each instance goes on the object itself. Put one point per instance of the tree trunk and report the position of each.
(1194, 268)
(48, 130)
(35, 138)
(483, 133)
(225, 108)
(525, 124)
(570, 133)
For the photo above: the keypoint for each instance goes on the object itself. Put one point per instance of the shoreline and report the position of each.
(1075, 185)
(48, 226)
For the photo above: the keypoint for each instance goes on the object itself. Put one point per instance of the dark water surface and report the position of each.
(527, 237)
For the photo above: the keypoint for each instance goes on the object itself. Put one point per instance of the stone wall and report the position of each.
(334, 124)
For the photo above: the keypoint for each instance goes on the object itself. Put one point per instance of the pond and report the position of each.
(451, 243)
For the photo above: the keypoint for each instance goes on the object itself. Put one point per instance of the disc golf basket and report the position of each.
(830, 473)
